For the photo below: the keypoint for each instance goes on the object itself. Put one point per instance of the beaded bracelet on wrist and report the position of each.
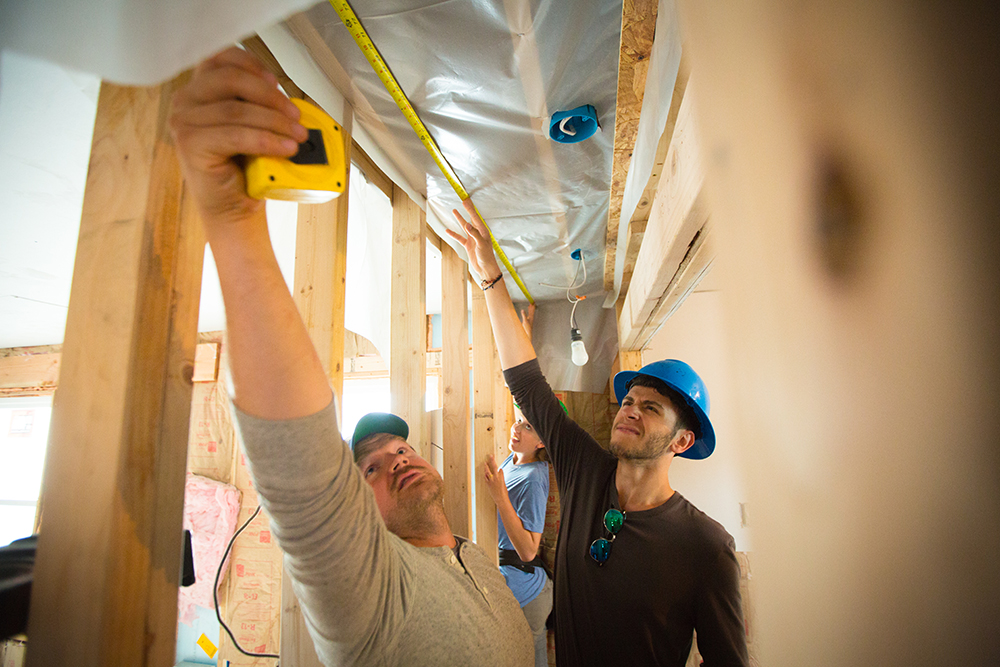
(486, 284)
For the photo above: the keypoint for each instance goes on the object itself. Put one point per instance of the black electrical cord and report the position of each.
(215, 592)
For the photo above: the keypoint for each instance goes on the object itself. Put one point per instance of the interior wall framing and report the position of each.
(106, 574)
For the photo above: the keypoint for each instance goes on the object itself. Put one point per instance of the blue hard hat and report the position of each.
(378, 422)
(681, 378)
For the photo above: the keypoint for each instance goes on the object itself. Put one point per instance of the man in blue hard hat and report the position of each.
(638, 568)
(379, 575)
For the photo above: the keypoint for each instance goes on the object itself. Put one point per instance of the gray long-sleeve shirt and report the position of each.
(370, 598)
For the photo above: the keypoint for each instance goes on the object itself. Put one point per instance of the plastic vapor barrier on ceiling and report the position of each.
(485, 78)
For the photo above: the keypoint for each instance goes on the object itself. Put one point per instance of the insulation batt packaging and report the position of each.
(210, 512)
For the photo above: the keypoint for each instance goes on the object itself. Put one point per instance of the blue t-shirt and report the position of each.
(528, 488)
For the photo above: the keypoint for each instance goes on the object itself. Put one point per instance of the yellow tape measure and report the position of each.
(354, 27)
(316, 174)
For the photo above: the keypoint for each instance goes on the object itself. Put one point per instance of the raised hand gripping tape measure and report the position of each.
(371, 53)
(316, 174)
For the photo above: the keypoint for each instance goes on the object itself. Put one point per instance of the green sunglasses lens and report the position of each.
(613, 520)
(600, 549)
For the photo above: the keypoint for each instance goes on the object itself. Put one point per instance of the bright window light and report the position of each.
(24, 434)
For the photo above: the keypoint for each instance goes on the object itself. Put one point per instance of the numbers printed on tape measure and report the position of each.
(357, 31)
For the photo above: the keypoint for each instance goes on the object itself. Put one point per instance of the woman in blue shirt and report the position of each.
(520, 489)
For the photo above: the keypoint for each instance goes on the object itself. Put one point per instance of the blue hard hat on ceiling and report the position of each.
(681, 378)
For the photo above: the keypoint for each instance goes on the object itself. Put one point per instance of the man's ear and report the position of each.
(683, 441)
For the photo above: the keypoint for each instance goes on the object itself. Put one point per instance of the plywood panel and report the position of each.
(106, 577)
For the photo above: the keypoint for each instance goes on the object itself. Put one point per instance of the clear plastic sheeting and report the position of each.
(551, 339)
(484, 77)
(133, 42)
(369, 273)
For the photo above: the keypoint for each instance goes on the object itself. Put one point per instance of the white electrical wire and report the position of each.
(575, 300)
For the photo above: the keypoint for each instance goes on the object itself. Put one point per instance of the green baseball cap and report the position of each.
(378, 422)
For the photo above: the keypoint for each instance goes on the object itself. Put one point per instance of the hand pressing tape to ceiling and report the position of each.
(569, 127)
(316, 174)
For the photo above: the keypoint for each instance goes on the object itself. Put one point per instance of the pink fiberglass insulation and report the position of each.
(211, 510)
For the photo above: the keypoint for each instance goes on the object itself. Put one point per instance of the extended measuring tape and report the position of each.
(354, 27)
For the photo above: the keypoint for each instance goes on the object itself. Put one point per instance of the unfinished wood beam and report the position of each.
(677, 215)
(638, 221)
(319, 293)
(503, 411)
(320, 270)
(109, 552)
(638, 28)
(34, 371)
(645, 203)
(408, 359)
(483, 422)
(455, 387)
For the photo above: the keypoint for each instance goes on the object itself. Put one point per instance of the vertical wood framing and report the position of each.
(503, 411)
(319, 292)
(455, 387)
(106, 577)
(483, 423)
(320, 270)
(408, 358)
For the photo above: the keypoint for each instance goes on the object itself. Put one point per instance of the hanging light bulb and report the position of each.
(577, 349)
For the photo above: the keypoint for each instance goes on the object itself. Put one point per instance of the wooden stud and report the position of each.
(109, 553)
(455, 386)
(320, 270)
(483, 423)
(408, 358)
(319, 292)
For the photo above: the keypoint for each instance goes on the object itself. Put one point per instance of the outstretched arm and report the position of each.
(232, 107)
(513, 344)
(525, 541)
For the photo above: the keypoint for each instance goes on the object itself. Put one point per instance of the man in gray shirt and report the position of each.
(380, 577)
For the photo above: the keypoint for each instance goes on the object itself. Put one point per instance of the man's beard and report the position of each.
(652, 448)
(420, 514)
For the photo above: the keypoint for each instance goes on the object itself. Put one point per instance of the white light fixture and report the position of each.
(578, 349)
